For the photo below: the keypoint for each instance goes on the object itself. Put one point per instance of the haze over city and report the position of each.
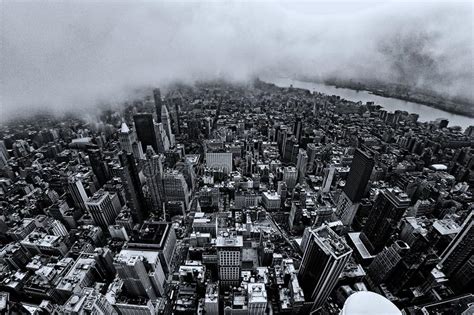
(72, 56)
(236, 157)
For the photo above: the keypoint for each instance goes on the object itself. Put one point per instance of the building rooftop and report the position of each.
(446, 227)
(360, 246)
(257, 293)
(227, 239)
(332, 243)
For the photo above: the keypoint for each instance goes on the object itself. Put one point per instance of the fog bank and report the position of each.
(64, 56)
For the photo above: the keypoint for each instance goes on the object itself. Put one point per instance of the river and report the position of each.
(426, 113)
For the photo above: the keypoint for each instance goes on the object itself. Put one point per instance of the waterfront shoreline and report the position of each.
(376, 90)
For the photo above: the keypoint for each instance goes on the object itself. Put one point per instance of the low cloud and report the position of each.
(64, 56)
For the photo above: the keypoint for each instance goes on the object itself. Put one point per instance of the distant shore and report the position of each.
(459, 107)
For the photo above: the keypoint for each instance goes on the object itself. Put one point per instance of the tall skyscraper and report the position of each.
(387, 211)
(219, 160)
(4, 156)
(175, 187)
(229, 258)
(301, 165)
(158, 104)
(325, 256)
(385, 262)
(356, 184)
(211, 300)
(257, 298)
(311, 149)
(145, 128)
(102, 210)
(298, 129)
(133, 189)
(88, 301)
(77, 192)
(165, 120)
(99, 166)
(328, 178)
(153, 170)
(129, 142)
(132, 269)
(290, 176)
(162, 140)
(457, 260)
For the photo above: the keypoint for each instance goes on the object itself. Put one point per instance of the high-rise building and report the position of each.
(102, 210)
(129, 142)
(219, 160)
(311, 150)
(57, 228)
(385, 262)
(359, 175)
(290, 176)
(77, 192)
(162, 140)
(298, 129)
(211, 300)
(4, 156)
(131, 268)
(175, 187)
(301, 165)
(153, 170)
(356, 184)
(133, 189)
(229, 258)
(457, 259)
(88, 301)
(99, 166)
(158, 104)
(388, 209)
(257, 298)
(325, 256)
(165, 120)
(145, 128)
(328, 178)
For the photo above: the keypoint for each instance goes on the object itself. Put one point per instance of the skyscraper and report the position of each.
(131, 268)
(77, 192)
(388, 209)
(99, 166)
(290, 176)
(129, 142)
(219, 160)
(298, 128)
(88, 301)
(229, 258)
(102, 209)
(457, 259)
(356, 184)
(385, 262)
(162, 139)
(153, 170)
(4, 156)
(175, 187)
(133, 189)
(145, 128)
(165, 120)
(301, 165)
(158, 104)
(325, 256)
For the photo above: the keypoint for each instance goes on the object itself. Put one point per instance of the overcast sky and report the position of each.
(65, 55)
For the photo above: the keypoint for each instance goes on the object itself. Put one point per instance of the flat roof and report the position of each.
(229, 240)
(363, 251)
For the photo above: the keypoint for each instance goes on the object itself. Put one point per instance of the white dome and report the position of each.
(369, 303)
